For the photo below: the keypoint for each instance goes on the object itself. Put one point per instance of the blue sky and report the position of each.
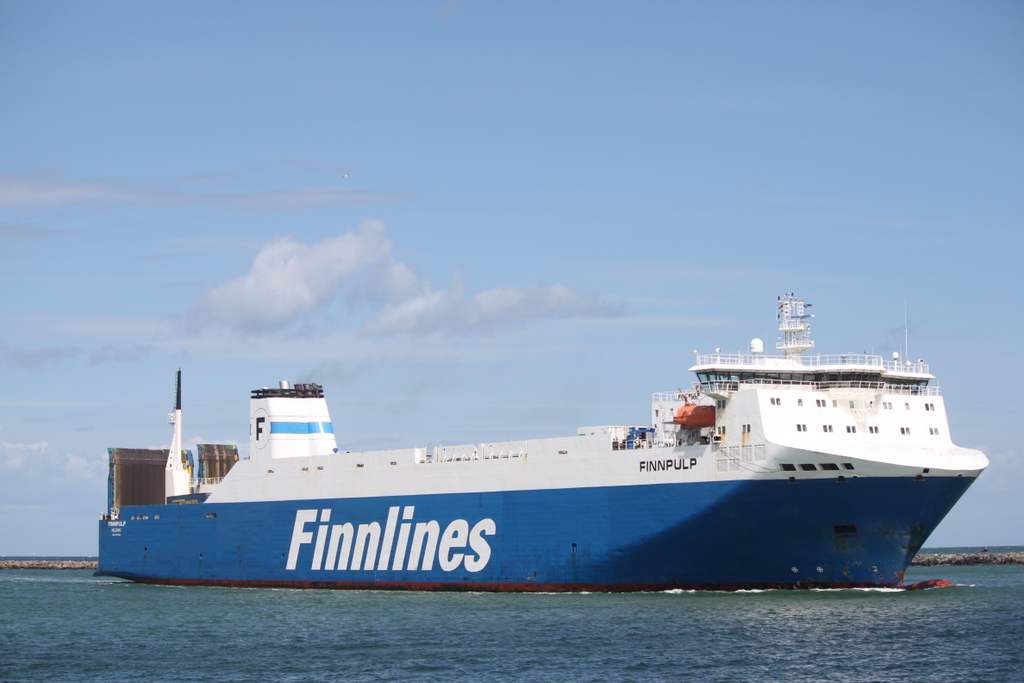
(479, 220)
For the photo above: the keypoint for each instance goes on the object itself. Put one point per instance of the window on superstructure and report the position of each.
(907, 406)
(746, 429)
(801, 428)
(934, 431)
(786, 467)
(799, 401)
(850, 429)
(819, 402)
(835, 404)
(872, 430)
(848, 465)
(807, 467)
(829, 466)
(904, 430)
(826, 428)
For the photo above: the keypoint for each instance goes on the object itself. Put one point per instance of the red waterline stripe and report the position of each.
(527, 587)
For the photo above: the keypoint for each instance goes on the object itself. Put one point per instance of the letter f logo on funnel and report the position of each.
(259, 430)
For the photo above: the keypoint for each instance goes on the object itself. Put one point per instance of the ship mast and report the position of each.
(794, 326)
(176, 477)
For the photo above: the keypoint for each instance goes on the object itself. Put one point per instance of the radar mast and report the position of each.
(794, 326)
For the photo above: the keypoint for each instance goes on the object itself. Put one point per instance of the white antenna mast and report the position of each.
(793, 323)
(176, 477)
(906, 333)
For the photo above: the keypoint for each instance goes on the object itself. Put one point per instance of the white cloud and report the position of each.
(22, 190)
(34, 359)
(41, 358)
(15, 454)
(290, 280)
(436, 311)
(33, 462)
(53, 188)
(30, 233)
(114, 353)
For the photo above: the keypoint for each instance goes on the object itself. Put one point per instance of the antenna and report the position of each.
(906, 333)
(176, 476)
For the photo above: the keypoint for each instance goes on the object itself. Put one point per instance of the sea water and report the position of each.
(71, 626)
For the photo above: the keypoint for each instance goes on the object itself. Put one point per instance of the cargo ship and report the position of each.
(792, 470)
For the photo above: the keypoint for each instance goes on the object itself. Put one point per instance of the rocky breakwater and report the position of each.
(47, 564)
(936, 559)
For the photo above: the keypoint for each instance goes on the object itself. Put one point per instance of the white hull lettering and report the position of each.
(354, 547)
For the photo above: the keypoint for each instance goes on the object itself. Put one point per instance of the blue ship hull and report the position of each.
(723, 535)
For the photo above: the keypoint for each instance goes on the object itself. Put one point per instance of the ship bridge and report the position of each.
(720, 373)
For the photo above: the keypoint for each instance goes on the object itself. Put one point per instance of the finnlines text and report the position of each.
(668, 464)
(350, 547)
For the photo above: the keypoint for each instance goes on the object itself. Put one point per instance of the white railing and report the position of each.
(878, 387)
(678, 395)
(484, 451)
(818, 360)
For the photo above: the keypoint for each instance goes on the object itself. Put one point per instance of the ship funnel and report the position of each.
(290, 422)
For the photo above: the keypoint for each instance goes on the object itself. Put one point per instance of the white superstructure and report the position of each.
(749, 416)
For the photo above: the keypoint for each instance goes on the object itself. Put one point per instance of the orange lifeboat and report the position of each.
(695, 417)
